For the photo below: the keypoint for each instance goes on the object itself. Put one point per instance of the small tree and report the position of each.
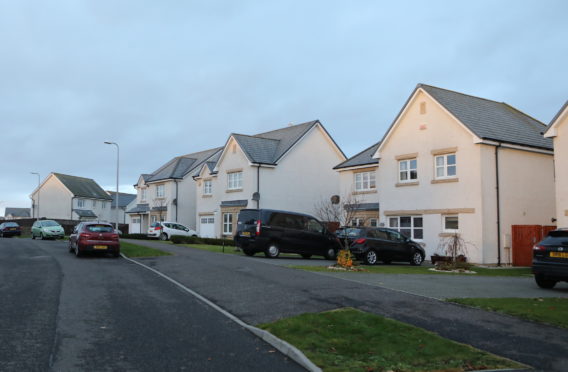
(454, 247)
(160, 205)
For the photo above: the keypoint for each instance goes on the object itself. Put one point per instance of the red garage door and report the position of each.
(524, 237)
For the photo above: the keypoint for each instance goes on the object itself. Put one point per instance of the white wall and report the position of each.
(54, 200)
(103, 214)
(561, 171)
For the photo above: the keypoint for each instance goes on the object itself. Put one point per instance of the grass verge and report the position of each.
(228, 249)
(545, 310)
(407, 269)
(135, 250)
(351, 340)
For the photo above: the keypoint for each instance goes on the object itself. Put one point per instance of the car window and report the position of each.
(155, 224)
(49, 223)
(314, 226)
(395, 236)
(99, 228)
(10, 224)
(378, 234)
(182, 227)
(555, 240)
(168, 225)
(248, 217)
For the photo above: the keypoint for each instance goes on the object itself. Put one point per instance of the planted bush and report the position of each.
(180, 239)
(134, 236)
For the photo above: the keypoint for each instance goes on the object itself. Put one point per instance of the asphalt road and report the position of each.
(258, 291)
(62, 313)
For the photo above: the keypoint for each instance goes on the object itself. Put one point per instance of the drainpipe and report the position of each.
(177, 201)
(71, 216)
(498, 204)
(258, 185)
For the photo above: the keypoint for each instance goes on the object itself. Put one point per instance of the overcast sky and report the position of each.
(166, 78)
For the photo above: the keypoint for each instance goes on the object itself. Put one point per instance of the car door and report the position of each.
(400, 248)
(182, 230)
(314, 239)
(292, 235)
(74, 236)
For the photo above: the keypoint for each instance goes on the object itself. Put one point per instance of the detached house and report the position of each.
(454, 163)
(168, 194)
(16, 213)
(288, 168)
(62, 196)
(558, 131)
(358, 187)
(125, 201)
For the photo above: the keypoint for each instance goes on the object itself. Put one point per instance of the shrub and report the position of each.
(135, 236)
(180, 239)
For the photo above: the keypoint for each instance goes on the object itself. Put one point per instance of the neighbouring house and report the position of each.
(288, 168)
(125, 202)
(358, 187)
(452, 163)
(558, 131)
(16, 213)
(168, 194)
(61, 196)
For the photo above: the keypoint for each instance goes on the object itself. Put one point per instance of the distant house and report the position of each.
(125, 202)
(452, 163)
(168, 193)
(289, 168)
(558, 131)
(358, 187)
(68, 197)
(17, 213)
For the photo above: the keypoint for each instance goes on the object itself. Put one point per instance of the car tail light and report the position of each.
(539, 248)
(360, 241)
(258, 228)
(158, 228)
(114, 236)
(84, 236)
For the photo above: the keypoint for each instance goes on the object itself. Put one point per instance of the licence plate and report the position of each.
(245, 233)
(100, 247)
(559, 254)
(12, 228)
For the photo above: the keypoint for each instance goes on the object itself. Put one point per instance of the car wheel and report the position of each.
(544, 283)
(306, 256)
(416, 259)
(370, 257)
(163, 236)
(330, 254)
(272, 251)
(248, 252)
(78, 253)
(41, 236)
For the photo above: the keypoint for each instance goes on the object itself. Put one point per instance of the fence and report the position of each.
(524, 237)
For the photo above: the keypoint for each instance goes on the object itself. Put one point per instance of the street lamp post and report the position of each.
(117, 168)
(38, 182)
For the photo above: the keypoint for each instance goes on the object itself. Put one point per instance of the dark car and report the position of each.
(94, 237)
(347, 235)
(550, 259)
(10, 229)
(381, 244)
(273, 231)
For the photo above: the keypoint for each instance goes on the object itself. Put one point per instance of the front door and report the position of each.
(207, 226)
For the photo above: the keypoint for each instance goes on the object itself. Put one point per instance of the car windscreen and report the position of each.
(556, 239)
(248, 217)
(49, 223)
(350, 232)
(10, 224)
(99, 228)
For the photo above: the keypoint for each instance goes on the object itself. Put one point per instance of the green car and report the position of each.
(47, 229)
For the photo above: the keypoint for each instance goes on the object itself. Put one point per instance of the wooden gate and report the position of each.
(524, 237)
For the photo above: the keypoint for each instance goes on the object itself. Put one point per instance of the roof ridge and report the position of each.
(522, 112)
(420, 85)
(69, 175)
(357, 154)
(254, 136)
(191, 154)
(287, 127)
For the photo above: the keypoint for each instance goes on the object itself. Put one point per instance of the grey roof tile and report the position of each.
(124, 199)
(84, 213)
(365, 157)
(234, 203)
(180, 166)
(363, 206)
(83, 187)
(491, 120)
(139, 208)
(17, 212)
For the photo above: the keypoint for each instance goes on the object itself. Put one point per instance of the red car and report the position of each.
(94, 237)
(10, 229)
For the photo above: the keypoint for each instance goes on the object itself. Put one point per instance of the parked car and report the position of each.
(375, 244)
(45, 229)
(550, 259)
(347, 233)
(165, 230)
(10, 229)
(94, 237)
(272, 232)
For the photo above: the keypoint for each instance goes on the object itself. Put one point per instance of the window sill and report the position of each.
(207, 195)
(362, 192)
(445, 180)
(448, 234)
(233, 190)
(401, 184)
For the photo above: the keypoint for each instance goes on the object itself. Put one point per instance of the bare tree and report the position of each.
(339, 210)
(160, 205)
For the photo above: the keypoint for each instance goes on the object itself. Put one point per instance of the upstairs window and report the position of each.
(445, 166)
(103, 205)
(160, 191)
(365, 181)
(408, 170)
(235, 180)
(143, 194)
(80, 203)
(94, 203)
(207, 187)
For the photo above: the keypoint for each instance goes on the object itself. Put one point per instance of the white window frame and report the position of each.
(396, 226)
(364, 181)
(103, 205)
(227, 224)
(443, 167)
(160, 191)
(153, 218)
(444, 228)
(94, 203)
(143, 193)
(357, 222)
(374, 222)
(80, 203)
(207, 187)
(235, 180)
(408, 170)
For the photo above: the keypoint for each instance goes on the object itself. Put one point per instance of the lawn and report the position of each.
(228, 249)
(135, 250)
(546, 310)
(407, 269)
(351, 340)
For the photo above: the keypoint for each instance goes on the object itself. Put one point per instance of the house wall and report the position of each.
(186, 202)
(207, 205)
(561, 171)
(103, 214)
(348, 194)
(54, 200)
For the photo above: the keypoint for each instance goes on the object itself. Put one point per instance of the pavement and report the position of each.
(258, 291)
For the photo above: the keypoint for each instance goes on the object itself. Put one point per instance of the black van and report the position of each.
(272, 231)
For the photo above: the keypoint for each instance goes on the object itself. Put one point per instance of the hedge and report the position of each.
(180, 239)
(135, 236)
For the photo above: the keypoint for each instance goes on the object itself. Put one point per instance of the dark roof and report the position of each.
(363, 206)
(84, 213)
(491, 120)
(180, 166)
(234, 203)
(160, 209)
(17, 212)
(365, 157)
(139, 208)
(123, 200)
(83, 187)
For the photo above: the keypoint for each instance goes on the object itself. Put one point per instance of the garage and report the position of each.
(207, 227)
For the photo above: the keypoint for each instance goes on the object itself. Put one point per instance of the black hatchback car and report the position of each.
(10, 229)
(373, 244)
(550, 259)
(273, 231)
